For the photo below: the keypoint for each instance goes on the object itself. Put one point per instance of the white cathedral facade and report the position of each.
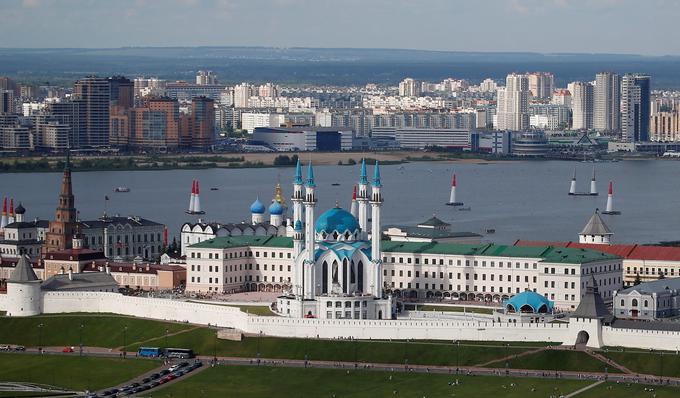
(337, 268)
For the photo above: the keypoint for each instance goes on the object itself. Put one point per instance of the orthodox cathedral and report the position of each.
(337, 265)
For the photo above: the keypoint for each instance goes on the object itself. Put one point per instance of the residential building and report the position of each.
(582, 105)
(541, 84)
(94, 95)
(409, 88)
(665, 126)
(206, 77)
(513, 104)
(607, 99)
(635, 107)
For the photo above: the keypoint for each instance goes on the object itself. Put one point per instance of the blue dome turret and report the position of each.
(257, 207)
(275, 208)
(336, 220)
(298, 225)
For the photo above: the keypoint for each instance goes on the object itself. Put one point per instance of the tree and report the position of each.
(637, 279)
(661, 275)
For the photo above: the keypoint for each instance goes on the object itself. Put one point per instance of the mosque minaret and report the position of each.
(338, 270)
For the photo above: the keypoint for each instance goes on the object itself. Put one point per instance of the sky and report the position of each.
(577, 26)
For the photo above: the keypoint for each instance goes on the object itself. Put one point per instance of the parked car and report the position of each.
(19, 348)
(67, 349)
(5, 347)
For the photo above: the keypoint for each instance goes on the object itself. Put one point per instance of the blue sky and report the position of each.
(591, 26)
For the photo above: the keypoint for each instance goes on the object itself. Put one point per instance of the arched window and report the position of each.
(635, 303)
(646, 303)
(622, 303)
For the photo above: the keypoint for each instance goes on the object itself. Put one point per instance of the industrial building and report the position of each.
(304, 138)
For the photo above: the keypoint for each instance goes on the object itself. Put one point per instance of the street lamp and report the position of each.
(259, 337)
(214, 347)
(125, 342)
(457, 355)
(166, 338)
(81, 339)
(40, 326)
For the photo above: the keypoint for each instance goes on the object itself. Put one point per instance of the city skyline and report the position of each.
(498, 25)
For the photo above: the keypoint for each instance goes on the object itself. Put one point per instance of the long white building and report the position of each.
(481, 272)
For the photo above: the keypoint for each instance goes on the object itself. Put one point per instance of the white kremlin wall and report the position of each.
(447, 329)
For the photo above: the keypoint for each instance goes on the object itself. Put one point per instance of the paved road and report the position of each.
(463, 370)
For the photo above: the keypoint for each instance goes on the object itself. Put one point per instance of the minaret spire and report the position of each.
(362, 199)
(375, 271)
(298, 173)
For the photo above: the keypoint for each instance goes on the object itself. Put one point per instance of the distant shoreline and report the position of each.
(230, 161)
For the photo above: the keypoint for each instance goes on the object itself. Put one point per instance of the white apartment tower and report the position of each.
(541, 84)
(409, 88)
(243, 92)
(513, 103)
(607, 99)
(582, 100)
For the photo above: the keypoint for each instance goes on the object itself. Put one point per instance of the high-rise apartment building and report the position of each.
(206, 77)
(635, 107)
(122, 92)
(243, 92)
(582, 106)
(202, 122)
(607, 99)
(6, 101)
(665, 126)
(409, 88)
(268, 90)
(513, 103)
(541, 84)
(95, 96)
(69, 113)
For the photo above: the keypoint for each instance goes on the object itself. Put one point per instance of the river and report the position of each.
(519, 199)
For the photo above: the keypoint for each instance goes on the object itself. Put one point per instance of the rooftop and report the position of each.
(23, 271)
(545, 253)
(636, 252)
(657, 286)
(227, 242)
(433, 233)
(132, 220)
(79, 281)
(596, 226)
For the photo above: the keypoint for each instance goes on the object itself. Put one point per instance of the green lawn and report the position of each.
(72, 372)
(64, 330)
(446, 308)
(613, 390)
(647, 363)
(203, 341)
(257, 382)
(557, 360)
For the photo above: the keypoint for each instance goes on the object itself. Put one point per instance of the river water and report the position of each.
(520, 200)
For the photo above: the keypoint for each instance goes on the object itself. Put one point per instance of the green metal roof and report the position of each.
(545, 253)
(228, 242)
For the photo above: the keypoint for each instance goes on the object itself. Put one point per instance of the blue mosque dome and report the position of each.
(275, 208)
(529, 302)
(257, 207)
(298, 225)
(336, 219)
